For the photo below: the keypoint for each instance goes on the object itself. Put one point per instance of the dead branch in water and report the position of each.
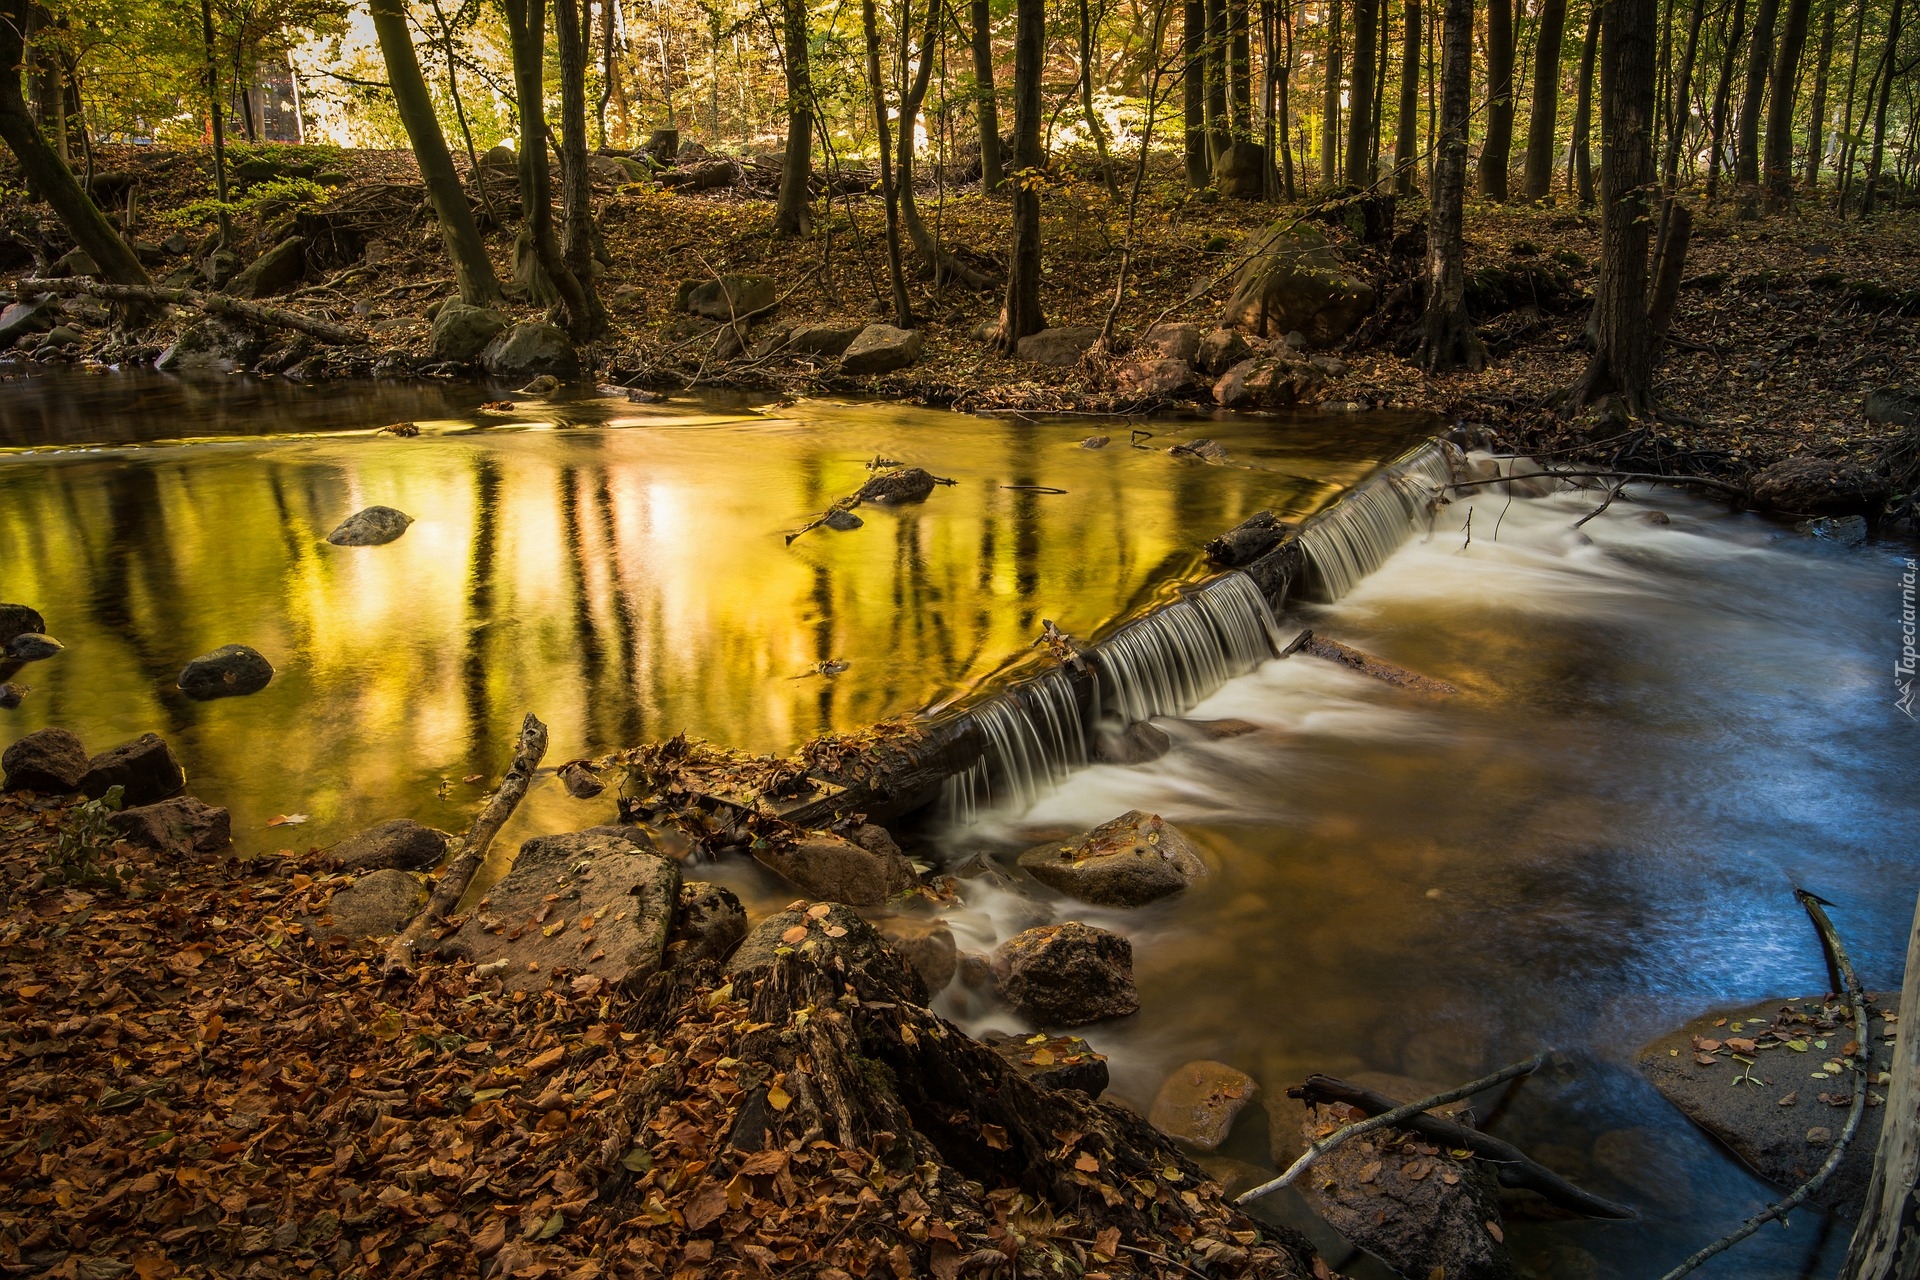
(1645, 477)
(1367, 665)
(471, 848)
(1856, 999)
(216, 304)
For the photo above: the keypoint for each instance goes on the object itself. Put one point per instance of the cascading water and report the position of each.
(1351, 539)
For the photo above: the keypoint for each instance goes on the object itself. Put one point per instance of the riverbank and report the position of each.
(1785, 327)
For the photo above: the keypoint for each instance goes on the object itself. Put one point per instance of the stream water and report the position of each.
(1663, 728)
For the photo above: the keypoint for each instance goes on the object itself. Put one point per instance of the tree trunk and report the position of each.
(1623, 354)
(1447, 339)
(1219, 123)
(538, 265)
(1888, 61)
(986, 107)
(1193, 89)
(1406, 139)
(586, 318)
(790, 217)
(1682, 98)
(472, 270)
(876, 87)
(1366, 17)
(1330, 102)
(1283, 95)
(1086, 93)
(1580, 166)
(1778, 170)
(1723, 97)
(1822, 71)
(216, 123)
(1496, 150)
(1376, 128)
(942, 265)
(1746, 137)
(1022, 315)
(1239, 70)
(614, 91)
(47, 173)
(1884, 1246)
(1845, 158)
(1546, 100)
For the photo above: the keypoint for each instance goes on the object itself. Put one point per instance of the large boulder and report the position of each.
(1171, 342)
(1066, 975)
(231, 670)
(35, 315)
(273, 272)
(1061, 347)
(396, 843)
(1819, 487)
(1220, 350)
(499, 158)
(180, 825)
(587, 903)
(1132, 860)
(1884, 407)
(371, 527)
(1240, 172)
(708, 924)
(823, 865)
(834, 935)
(145, 770)
(210, 346)
(19, 620)
(530, 348)
(827, 339)
(461, 332)
(881, 348)
(1198, 1103)
(1154, 377)
(374, 905)
(1266, 382)
(731, 297)
(1293, 280)
(50, 760)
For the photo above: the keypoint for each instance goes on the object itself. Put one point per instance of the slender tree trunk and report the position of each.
(217, 119)
(1822, 72)
(460, 114)
(1022, 315)
(1623, 353)
(1682, 98)
(1746, 138)
(985, 105)
(1546, 100)
(1778, 170)
(1219, 121)
(472, 270)
(614, 92)
(1723, 97)
(1580, 166)
(942, 265)
(47, 173)
(1283, 91)
(1889, 59)
(1193, 91)
(1447, 339)
(1845, 158)
(538, 264)
(1496, 151)
(1376, 125)
(790, 216)
(1086, 96)
(586, 317)
(1330, 101)
(896, 271)
(1406, 140)
(1239, 71)
(1360, 91)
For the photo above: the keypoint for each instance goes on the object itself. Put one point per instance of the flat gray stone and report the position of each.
(372, 527)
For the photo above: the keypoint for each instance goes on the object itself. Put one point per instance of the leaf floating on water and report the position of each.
(472, 778)
(287, 820)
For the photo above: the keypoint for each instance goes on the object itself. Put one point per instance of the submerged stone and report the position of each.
(232, 670)
(34, 646)
(826, 866)
(1198, 1103)
(372, 527)
(927, 945)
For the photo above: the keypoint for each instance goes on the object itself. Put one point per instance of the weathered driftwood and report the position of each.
(216, 304)
(1367, 665)
(1885, 1246)
(890, 488)
(1512, 1165)
(470, 849)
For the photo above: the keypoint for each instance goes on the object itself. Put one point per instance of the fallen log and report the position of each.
(216, 304)
(466, 853)
(1367, 665)
(1513, 1166)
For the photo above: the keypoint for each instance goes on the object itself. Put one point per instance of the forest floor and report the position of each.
(1784, 325)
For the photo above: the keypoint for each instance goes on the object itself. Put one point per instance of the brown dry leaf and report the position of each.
(706, 1206)
(994, 1136)
(1740, 1044)
(1106, 1243)
(833, 930)
(1086, 1163)
(1788, 1099)
(1369, 1171)
(777, 1098)
(1705, 1046)
(795, 935)
(1705, 1059)
(819, 910)
(1493, 1229)
(551, 1058)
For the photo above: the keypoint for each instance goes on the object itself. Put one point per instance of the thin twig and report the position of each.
(1648, 477)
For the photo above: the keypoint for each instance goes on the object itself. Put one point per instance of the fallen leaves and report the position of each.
(287, 820)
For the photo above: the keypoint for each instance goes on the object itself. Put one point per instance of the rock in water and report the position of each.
(231, 670)
(461, 332)
(881, 348)
(373, 527)
(1293, 281)
(375, 905)
(12, 695)
(890, 488)
(50, 760)
(928, 946)
(1132, 860)
(1247, 541)
(581, 782)
(18, 620)
(614, 902)
(1061, 347)
(1066, 975)
(825, 866)
(1138, 743)
(145, 770)
(1198, 1103)
(397, 842)
(211, 346)
(33, 646)
(1819, 487)
(826, 933)
(707, 925)
(1059, 1062)
(842, 520)
(180, 825)
(530, 348)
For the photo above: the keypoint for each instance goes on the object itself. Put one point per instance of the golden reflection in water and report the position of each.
(624, 582)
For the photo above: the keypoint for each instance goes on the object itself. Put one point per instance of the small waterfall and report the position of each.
(1034, 737)
(1351, 539)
